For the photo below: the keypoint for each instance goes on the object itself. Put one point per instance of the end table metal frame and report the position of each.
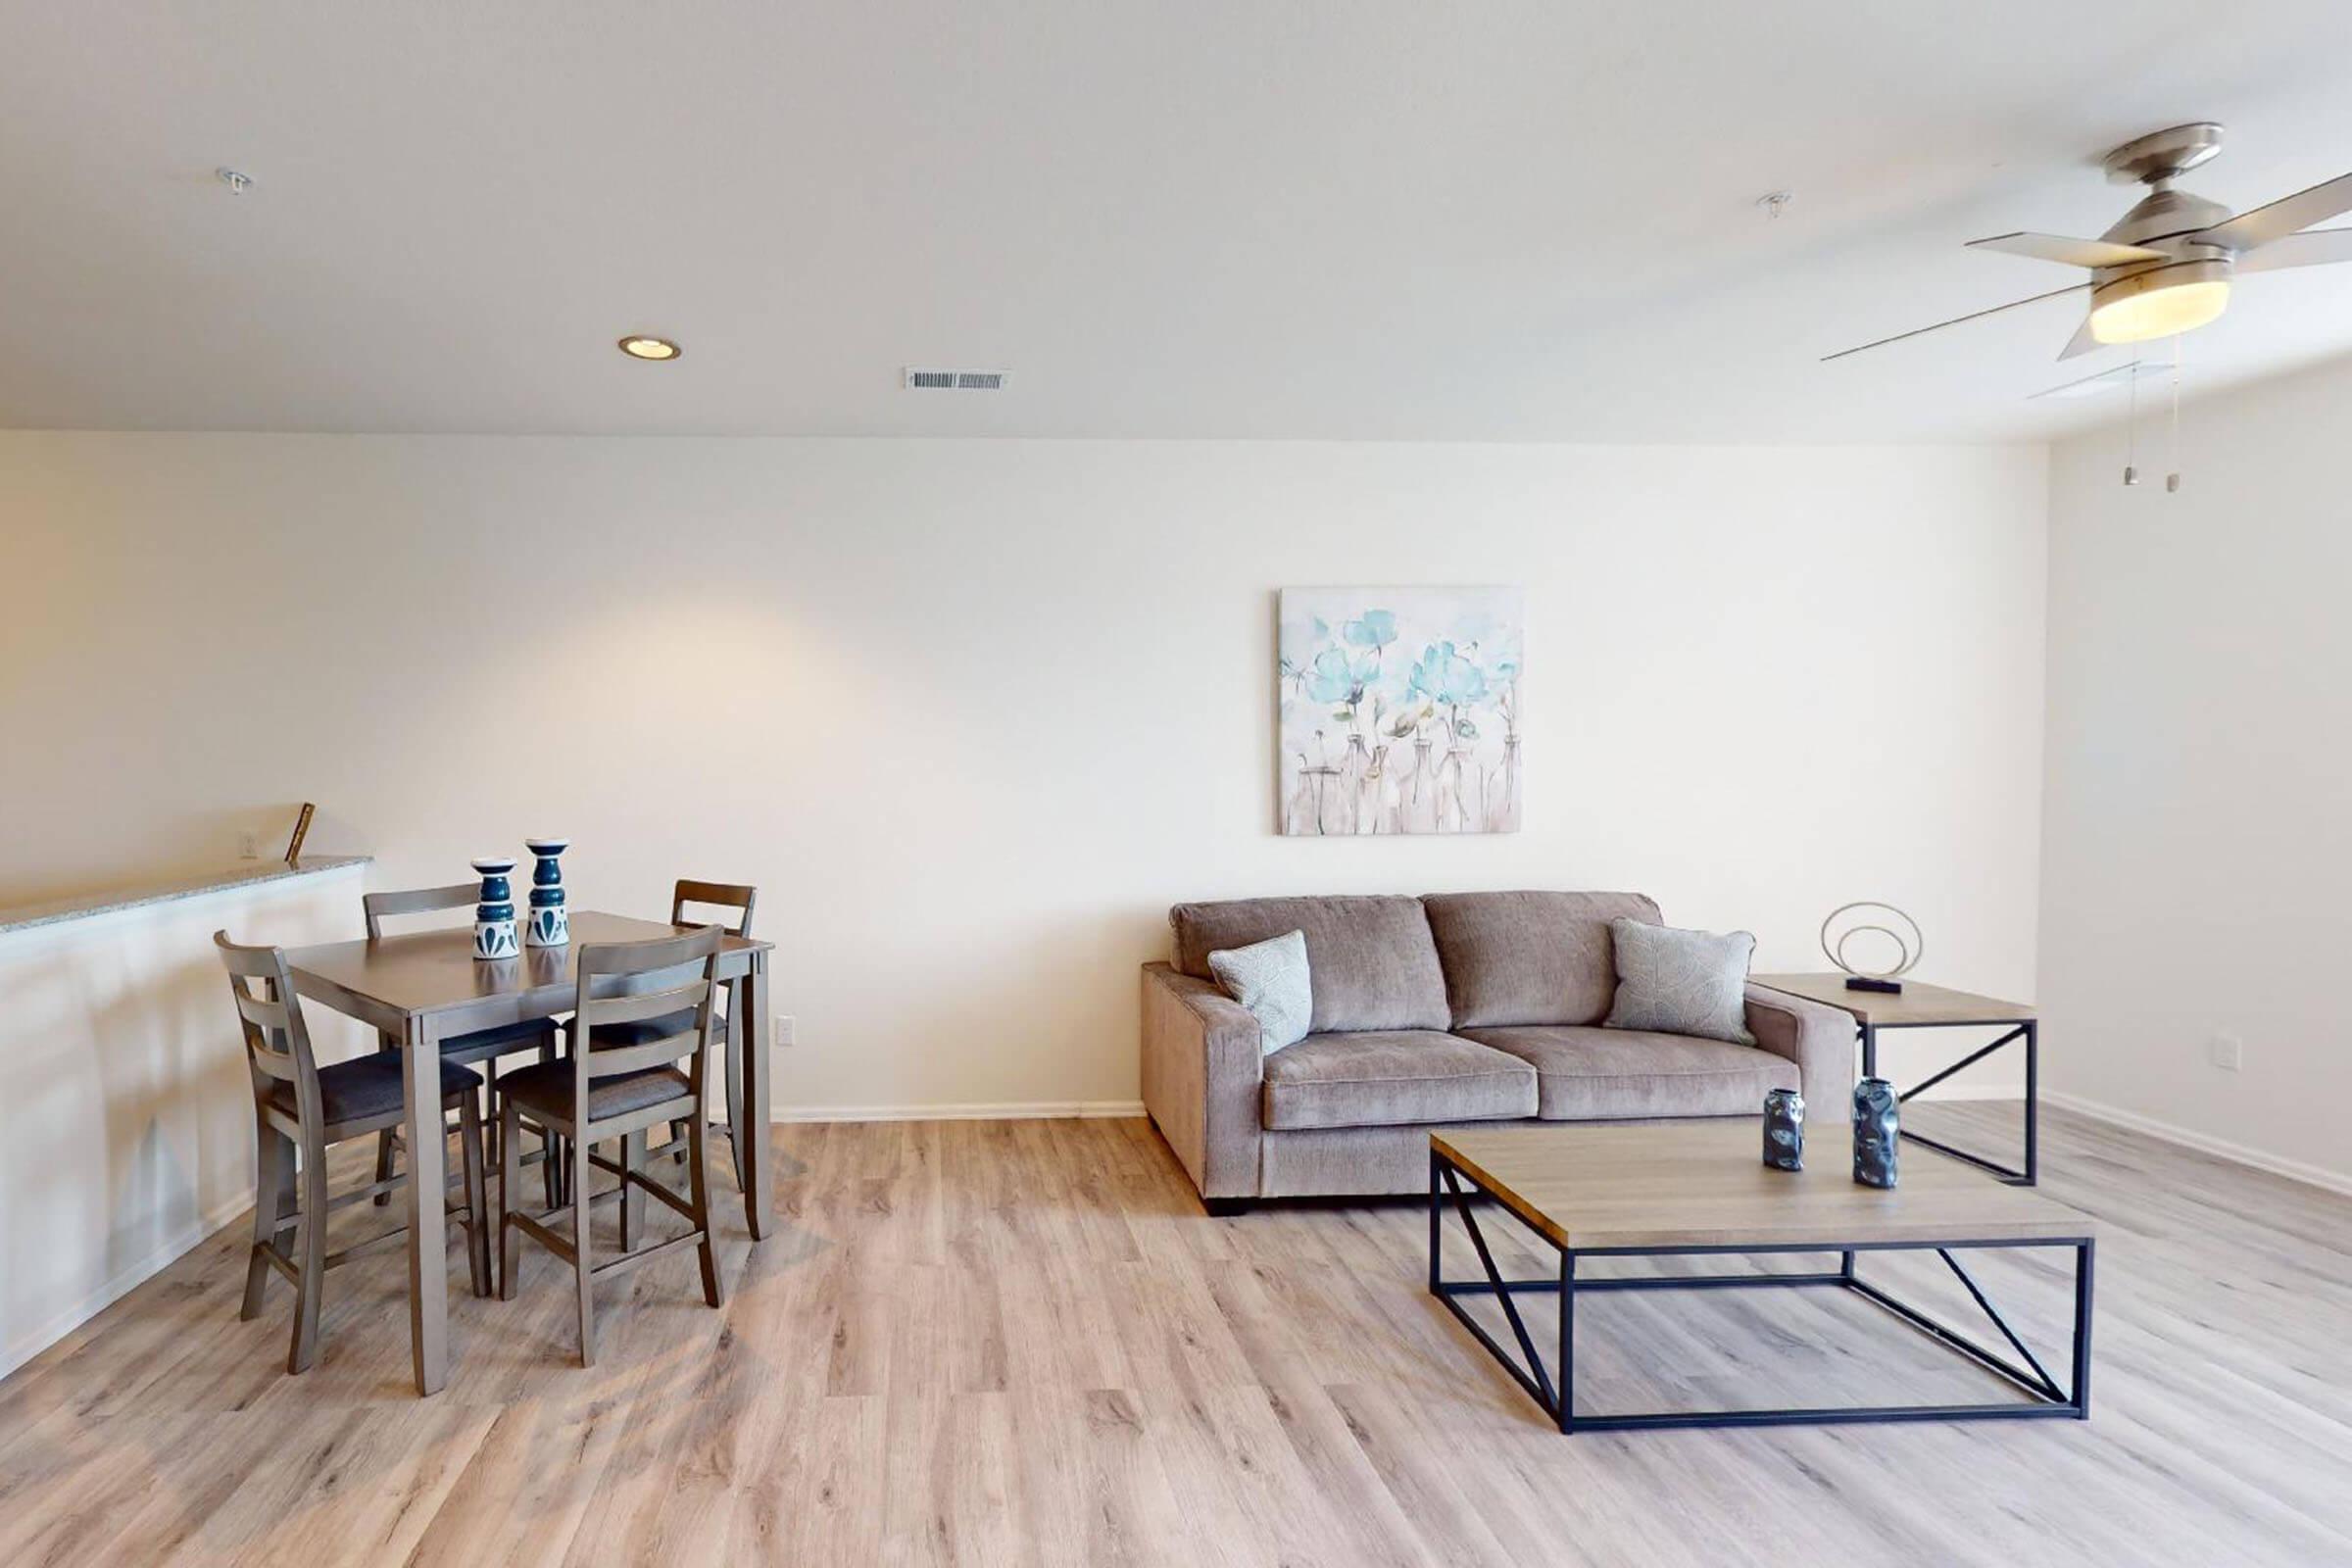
(2030, 1031)
(1558, 1399)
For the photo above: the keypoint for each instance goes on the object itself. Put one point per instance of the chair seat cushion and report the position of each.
(368, 1087)
(1598, 1074)
(645, 1031)
(545, 1089)
(1393, 1077)
(483, 1043)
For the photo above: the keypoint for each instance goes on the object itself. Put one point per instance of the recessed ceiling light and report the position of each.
(638, 347)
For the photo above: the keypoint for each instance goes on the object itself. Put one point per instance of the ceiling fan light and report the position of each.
(2162, 302)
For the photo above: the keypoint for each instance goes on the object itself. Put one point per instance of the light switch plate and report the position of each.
(783, 1030)
(2226, 1051)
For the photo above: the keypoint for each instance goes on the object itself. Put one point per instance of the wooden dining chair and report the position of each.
(606, 1091)
(300, 1110)
(482, 1045)
(737, 898)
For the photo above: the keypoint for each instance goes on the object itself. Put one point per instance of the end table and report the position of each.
(1924, 1007)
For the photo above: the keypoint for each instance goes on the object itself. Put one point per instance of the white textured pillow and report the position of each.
(1674, 982)
(1270, 978)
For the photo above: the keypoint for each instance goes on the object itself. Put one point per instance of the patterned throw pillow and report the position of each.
(1674, 982)
(1270, 979)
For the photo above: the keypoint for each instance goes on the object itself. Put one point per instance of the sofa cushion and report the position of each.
(1529, 957)
(1370, 961)
(1591, 1074)
(1271, 979)
(1388, 1078)
(1682, 982)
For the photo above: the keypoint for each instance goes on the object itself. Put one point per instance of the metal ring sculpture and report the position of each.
(1911, 949)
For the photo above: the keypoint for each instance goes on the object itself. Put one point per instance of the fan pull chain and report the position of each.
(2172, 480)
(2132, 431)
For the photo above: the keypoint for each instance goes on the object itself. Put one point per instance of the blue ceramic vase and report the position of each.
(550, 925)
(494, 914)
(1785, 1129)
(1877, 1131)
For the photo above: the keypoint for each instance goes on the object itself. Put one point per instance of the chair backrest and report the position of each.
(735, 896)
(277, 1042)
(417, 901)
(606, 995)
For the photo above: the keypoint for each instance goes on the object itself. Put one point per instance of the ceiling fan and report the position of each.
(2166, 266)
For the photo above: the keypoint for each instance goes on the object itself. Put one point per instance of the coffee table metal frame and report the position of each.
(1558, 1398)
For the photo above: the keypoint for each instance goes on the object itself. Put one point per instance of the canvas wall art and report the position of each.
(1400, 710)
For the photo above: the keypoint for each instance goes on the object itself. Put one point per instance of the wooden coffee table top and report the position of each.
(1592, 1186)
(1917, 1004)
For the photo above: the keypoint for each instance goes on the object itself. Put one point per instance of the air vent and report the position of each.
(928, 380)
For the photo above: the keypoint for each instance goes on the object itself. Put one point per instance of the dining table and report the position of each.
(424, 987)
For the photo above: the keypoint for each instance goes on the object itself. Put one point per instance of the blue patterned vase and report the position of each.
(1877, 1131)
(494, 914)
(550, 926)
(1785, 1129)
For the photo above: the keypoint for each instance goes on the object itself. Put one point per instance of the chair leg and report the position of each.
(384, 1142)
(272, 1200)
(477, 1198)
(698, 1176)
(551, 1173)
(312, 1283)
(509, 1172)
(632, 1196)
(581, 1260)
(385, 1139)
(733, 1075)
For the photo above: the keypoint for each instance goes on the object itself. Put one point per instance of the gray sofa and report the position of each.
(1451, 1009)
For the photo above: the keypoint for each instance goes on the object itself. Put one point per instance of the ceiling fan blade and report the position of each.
(2311, 247)
(2282, 218)
(1973, 316)
(2081, 343)
(2071, 252)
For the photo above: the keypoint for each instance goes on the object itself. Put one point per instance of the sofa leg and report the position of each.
(1225, 1207)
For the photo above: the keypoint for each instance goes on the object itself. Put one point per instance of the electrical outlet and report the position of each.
(2226, 1051)
(249, 846)
(782, 1032)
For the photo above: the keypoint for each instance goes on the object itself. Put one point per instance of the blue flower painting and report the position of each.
(1400, 711)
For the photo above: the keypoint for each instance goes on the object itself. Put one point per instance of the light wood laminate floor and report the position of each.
(1010, 1342)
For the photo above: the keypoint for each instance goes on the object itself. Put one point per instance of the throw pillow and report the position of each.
(1270, 979)
(1682, 982)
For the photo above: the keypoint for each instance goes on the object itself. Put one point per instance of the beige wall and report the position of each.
(972, 715)
(2200, 775)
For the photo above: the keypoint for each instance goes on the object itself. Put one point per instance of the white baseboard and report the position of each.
(180, 1242)
(1005, 1111)
(1974, 1091)
(2334, 1181)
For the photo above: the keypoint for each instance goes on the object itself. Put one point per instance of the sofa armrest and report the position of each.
(1817, 1037)
(1202, 1067)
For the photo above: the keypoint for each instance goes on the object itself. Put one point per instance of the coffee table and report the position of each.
(1672, 1189)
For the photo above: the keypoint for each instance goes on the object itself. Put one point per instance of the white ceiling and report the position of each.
(1352, 218)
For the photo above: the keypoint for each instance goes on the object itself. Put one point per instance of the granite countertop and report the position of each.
(25, 917)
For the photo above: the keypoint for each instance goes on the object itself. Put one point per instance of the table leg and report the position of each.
(428, 1153)
(751, 1138)
(2032, 1094)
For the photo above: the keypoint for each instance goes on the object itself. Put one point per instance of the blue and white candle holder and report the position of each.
(494, 914)
(550, 925)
